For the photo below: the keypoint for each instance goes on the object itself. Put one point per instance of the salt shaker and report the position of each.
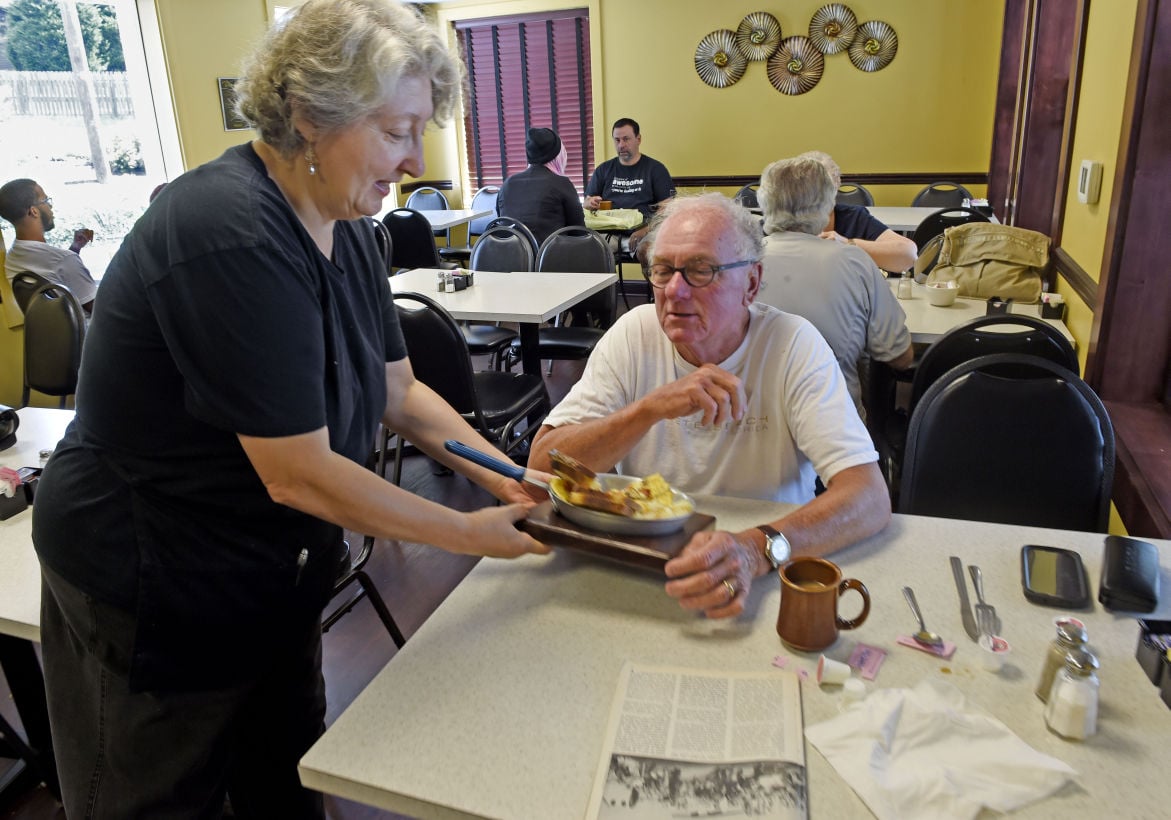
(1071, 634)
(440, 282)
(904, 291)
(1072, 708)
(449, 283)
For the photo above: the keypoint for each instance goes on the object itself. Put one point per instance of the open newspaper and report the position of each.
(690, 743)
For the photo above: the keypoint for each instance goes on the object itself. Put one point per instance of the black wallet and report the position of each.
(1130, 575)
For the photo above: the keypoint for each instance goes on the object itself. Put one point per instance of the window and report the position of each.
(523, 71)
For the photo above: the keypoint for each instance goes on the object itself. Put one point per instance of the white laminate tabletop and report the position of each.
(902, 218)
(926, 322)
(525, 297)
(20, 572)
(457, 216)
(497, 707)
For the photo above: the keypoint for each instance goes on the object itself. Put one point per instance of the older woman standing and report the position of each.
(246, 346)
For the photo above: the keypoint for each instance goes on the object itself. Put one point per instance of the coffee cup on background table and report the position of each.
(605, 205)
(810, 588)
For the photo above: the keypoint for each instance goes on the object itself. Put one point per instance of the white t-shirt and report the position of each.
(842, 292)
(61, 267)
(800, 422)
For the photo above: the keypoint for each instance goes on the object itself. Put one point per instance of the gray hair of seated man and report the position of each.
(825, 159)
(337, 63)
(796, 195)
(747, 240)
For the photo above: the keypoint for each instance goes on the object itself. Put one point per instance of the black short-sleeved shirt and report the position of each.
(542, 200)
(855, 222)
(218, 316)
(646, 183)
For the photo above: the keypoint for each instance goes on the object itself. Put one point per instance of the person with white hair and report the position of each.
(723, 395)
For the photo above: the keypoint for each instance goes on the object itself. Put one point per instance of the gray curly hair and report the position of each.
(796, 195)
(748, 242)
(337, 61)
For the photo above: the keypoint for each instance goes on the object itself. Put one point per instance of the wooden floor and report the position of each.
(413, 579)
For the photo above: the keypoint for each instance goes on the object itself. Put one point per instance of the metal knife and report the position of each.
(957, 569)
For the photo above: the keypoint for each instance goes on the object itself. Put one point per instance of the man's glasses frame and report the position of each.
(46, 201)
(695, 274)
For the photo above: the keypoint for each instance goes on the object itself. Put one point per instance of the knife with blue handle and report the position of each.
(957, 569)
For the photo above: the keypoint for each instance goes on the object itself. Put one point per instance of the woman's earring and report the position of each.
(311, 158)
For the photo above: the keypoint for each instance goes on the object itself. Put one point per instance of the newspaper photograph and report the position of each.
(687, 743)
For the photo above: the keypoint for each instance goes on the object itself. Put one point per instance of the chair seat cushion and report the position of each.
(486, 339)
(568, 342)
(503, 395)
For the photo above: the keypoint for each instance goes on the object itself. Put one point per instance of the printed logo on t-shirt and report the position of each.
(749, 424)
(626, 186)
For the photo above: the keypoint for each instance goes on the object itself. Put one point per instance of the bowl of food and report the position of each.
(942, 294)
(622, 504)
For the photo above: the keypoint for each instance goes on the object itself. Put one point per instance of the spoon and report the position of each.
(922, 636)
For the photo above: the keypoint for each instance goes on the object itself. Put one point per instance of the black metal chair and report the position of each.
(512, 222)
(494, 402)
(579, 250)
(941, 195)
(54, 332)
(746, 196)
(1010, 439)
(483, 199)
(354, 572)
(502, 249)
(935, 224)
(384, 242)
(24, 285)
(412, 243)
(852, 194)
(430, 199)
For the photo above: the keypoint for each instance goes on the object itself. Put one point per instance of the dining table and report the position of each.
(498, 706)
(20, 593)
(927, 322)
(445, 219)
(903, 218)
(525, 297)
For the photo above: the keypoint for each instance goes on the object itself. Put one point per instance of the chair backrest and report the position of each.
(582, 250)
(412, 243)
(54, 332)
(851, 194)
(979, 337)
(935, 224)
(512, 222)
(427, 199)
(503, 249)
(941, 195)
(24, 285)
(746, 196)
(383, 240)
(483, 200)
(438, 352)
(1035, 448)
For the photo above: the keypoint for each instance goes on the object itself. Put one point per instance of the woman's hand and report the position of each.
(713, 573)
(492, 532)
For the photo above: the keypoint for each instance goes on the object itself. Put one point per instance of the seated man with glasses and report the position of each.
(723, 396)
(24, 204)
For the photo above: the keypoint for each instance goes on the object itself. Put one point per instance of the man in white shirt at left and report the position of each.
(24, 203)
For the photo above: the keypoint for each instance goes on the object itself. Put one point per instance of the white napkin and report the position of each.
(926, 753)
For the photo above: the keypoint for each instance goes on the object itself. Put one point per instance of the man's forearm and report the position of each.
(597, 443)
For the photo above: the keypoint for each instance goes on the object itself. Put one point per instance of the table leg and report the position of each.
(530, 352)
(22, 669)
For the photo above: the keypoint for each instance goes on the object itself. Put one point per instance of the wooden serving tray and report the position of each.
(647, 552)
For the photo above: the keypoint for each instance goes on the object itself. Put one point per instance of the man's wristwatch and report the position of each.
(776, 546)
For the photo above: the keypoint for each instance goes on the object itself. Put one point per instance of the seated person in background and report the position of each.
(24, 204)
(722, 395)
(541, 196)
(631, 179)
(836, 287)
(853, 225)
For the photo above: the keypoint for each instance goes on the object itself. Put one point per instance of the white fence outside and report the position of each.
(55, 94)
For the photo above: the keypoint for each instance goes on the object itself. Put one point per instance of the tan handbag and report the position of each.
(986, 259)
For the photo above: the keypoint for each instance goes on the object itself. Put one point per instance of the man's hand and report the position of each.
(81, 238)
(713, 573)
(715, 391)
(592, 202)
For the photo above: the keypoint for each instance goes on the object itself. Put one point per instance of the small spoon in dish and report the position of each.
(922, 636)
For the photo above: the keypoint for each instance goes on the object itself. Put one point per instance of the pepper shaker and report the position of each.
(1071, 634)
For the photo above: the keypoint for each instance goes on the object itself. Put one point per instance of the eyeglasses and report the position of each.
(46, 201)
(695, 274)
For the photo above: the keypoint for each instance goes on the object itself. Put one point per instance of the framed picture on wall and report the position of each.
(232, 120)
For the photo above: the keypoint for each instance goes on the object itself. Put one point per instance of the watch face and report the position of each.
(778, 548)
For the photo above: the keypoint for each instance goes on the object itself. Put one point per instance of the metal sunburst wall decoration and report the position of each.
(874, 46)
(718, 61)
(796, 67)
(758, 35)
(794, 64)
(832, 28)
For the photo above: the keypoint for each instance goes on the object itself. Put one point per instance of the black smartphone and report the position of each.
(1056, 577)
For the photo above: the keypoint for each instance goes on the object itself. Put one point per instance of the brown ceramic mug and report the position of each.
(605, 205)
(810, 589)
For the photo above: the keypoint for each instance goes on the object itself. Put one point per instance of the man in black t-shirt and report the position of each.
(631, 179)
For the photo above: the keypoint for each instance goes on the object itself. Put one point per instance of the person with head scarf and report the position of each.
(541, 196)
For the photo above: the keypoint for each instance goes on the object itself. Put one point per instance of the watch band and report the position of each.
(770, 534)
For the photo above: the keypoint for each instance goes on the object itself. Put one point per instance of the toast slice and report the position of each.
(602, 501)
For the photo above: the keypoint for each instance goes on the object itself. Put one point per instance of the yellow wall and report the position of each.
(11, 339)
(202, 41)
